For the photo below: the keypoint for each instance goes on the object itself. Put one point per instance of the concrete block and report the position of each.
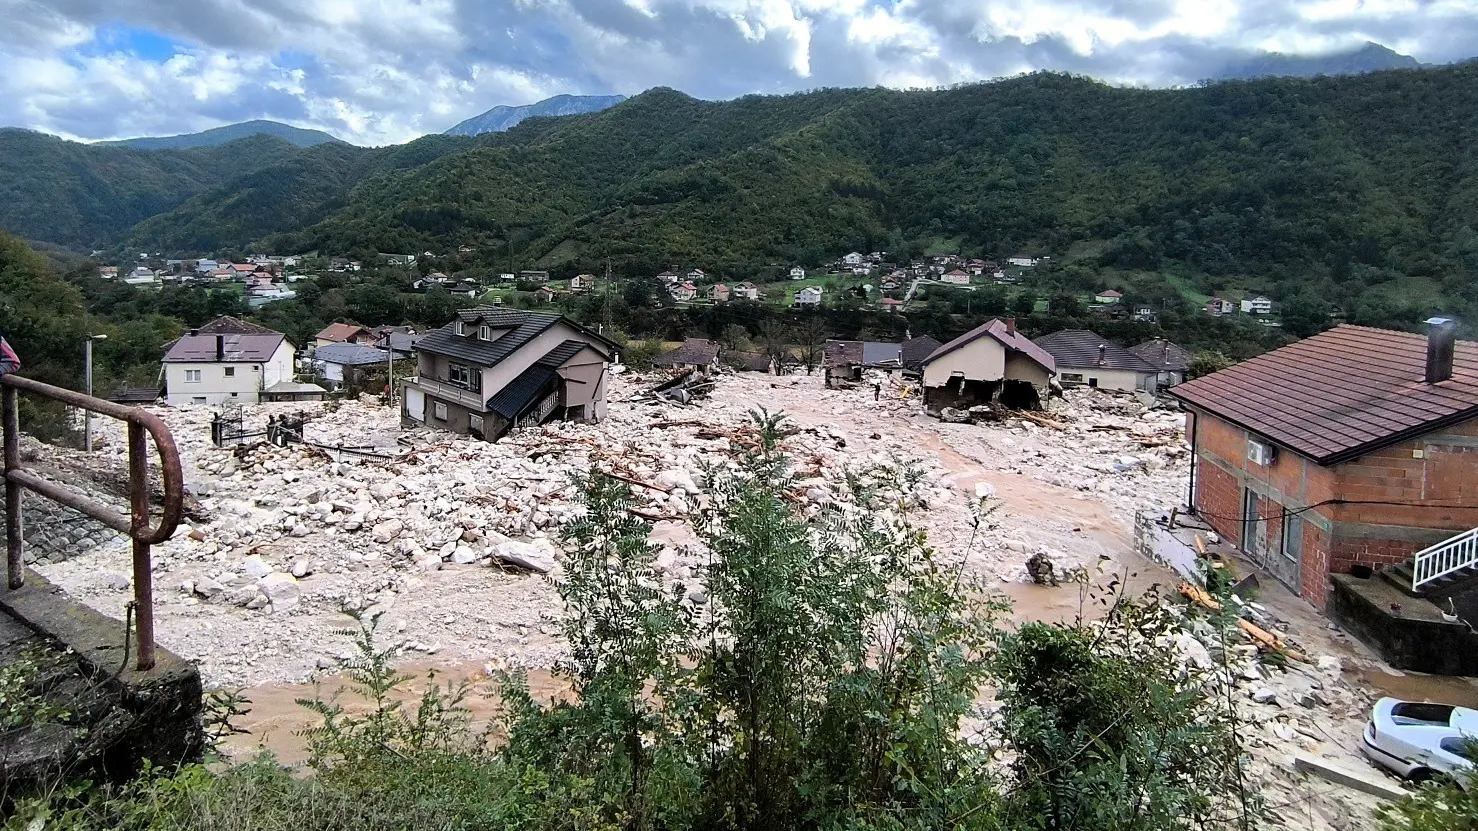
(1366, 781)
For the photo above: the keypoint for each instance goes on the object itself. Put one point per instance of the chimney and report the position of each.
(1167, 353)
(1440, 339)
(1102, 354)
(1010, 325)
(194, 333)
(220, 347)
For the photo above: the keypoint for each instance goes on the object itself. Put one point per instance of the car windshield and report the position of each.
(1413, 711)
(1460, 746)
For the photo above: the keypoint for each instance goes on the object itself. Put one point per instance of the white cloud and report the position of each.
(379, 71)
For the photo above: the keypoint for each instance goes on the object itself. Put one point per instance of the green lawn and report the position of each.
(1184, 286)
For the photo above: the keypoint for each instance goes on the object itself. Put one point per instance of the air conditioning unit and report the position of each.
(1261, 453)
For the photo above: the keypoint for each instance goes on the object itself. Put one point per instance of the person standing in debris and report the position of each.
(9, 361)
(877, 390)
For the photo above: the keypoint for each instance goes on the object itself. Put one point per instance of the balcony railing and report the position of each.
(136, 525)
(444, 389)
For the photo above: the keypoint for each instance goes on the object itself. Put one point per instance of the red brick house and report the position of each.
(1357, 446)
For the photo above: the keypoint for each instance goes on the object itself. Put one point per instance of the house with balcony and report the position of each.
(1346, 466)
(494, 369)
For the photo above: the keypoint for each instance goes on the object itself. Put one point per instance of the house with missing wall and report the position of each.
(990, 364)
(694, 353)
(1346, 465)
(493, 369)
(1171, 361)
(223, 363)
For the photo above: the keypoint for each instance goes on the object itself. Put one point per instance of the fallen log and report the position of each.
(1257, 633)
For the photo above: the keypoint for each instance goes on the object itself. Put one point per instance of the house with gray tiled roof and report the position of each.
(493, 369)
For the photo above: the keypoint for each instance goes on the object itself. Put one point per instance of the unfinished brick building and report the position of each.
(1356, 447)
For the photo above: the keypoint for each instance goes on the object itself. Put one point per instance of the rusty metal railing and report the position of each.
(136, 525)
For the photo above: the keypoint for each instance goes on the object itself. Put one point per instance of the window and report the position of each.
(461, 328)
(438, 411)
(230, 372)
(1293, 538)
(233, 395)
(199, 399)
(474, 422)
(1458, 746)
(192, 376)
(1092, 382)
(466, 377)
(485, 333)
(1071, 377)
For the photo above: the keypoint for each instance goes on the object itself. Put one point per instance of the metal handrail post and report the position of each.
(15, 540)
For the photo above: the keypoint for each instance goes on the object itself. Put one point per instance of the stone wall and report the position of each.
(54, 532)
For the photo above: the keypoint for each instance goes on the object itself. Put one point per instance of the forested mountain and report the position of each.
(231, 132)
(87, 196)
(1360, 191)
(1372, 57)
(499, 119)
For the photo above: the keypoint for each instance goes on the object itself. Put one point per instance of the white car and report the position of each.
(1417, 741)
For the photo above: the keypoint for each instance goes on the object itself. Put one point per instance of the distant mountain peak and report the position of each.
(503, 118)
(1372, 57)
(231, 132)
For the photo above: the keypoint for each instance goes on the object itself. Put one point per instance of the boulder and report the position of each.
(301, 569)
(950, 415)
(670, 479)
(429, 562)
(387, 531)
(525, 556)
(255, 568)
(282, 590)
(463, 556)
(208, 588)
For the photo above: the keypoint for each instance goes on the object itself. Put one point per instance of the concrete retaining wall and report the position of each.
(55, 533)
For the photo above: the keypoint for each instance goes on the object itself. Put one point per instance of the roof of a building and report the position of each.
(201, 348)
(840, 353)
(293, 387)
(915, 350)
(227, 325)
(517, 395)
(1081, 349)
(341, 332)
(874, 353)
(749, 361)
(134, 395)
(1164, 354)
(556, 357)
(525, 327)
(1005, 335)
(1109, 293)
(349, 354)
(694, 351)
(1340, 394)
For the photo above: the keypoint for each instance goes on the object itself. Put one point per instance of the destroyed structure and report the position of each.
(694, 353)
(1344, 454)
(204, 367)
(1088, 359)
(992, 364)
(493, 369)
(1171, 361)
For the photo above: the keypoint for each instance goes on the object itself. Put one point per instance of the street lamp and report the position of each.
(87, 371)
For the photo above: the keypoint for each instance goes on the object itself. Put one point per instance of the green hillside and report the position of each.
(231, 132)
(1316, 191)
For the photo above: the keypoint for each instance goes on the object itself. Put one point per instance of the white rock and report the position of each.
(299, 530)
(463, 556)
(282, 589)
(254, 568)
(525, 556)
(301, 569)
(670, 479)
(1263, 695)
(208, 588)
(258, 601)
(118, 581)
(429, 562)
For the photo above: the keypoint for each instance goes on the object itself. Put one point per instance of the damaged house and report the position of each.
(1087, 358)
(493, 369)
(845, 360)
(990, 364)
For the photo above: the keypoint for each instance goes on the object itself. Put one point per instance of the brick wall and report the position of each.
(1436, 476)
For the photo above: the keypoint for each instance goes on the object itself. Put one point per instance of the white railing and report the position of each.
(1444, 558)
(447, 392)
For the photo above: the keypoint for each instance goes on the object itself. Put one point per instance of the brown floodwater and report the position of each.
(1440, 689)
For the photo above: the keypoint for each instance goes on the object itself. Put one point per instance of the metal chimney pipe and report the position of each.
(1441, 338)
(1102, 354)
(220, 348)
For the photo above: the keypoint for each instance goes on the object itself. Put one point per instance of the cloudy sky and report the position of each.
(383, 71)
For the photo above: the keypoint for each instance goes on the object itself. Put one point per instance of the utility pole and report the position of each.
(607, 313)
(87, 373)
(390, 366)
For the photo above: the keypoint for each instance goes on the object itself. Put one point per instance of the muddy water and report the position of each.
(1416, 687)
(276, 720)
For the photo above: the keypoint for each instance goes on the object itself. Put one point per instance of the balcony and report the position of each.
(448, 392)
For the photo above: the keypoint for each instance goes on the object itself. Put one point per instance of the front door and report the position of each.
(415, 404)
(1254, 527)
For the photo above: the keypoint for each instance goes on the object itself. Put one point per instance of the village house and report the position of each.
(975, 267)
(852, 259)
(746, 291)
(808, 297)
(1172, 361)
(1258, 305)
(1022, 261)
(992, 363)
(670, 277)
(956, 277)
(696, 276)
(1145, 314)
(718, 293)
(914, 351)
(890, 304)
(1085, 358)
(797, 273)
(142, 276)
(206, 266)
(343, 364)
(1108, 297)
(544, 295)
(494, 369)
(226, 362)
(694, 353)
(1217, 307)
(1350, 451)
(582, 283)
(846, 361)
(533, 276)
(344, 333)
(683, 292)
(108, 272)
(401, 340)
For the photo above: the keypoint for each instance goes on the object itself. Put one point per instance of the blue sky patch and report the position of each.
(145, 43)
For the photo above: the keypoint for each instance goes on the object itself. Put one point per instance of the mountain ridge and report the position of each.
(502, 118)
(296, 136)
(1372, 57)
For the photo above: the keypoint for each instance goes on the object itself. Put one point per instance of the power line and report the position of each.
(1295, 512)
